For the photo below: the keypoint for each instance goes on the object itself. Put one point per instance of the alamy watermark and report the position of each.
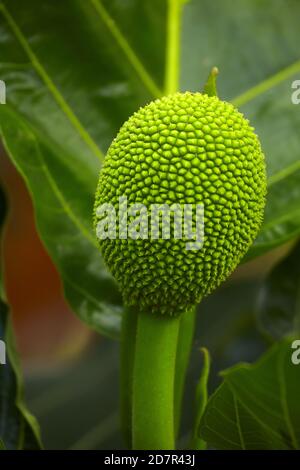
(156, 221)
(2, 353)
(2, 92)
(295, 96)
(296, 354)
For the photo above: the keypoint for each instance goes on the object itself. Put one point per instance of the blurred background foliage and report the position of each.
(74, 71)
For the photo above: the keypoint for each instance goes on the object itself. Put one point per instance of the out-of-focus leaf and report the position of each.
(276, 120)
(257, 406)
(77, 404)
(18, 428)
(76, 71)
(278, 309)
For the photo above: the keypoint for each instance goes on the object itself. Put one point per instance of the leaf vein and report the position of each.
(127, 49)
(283, 399)
(284, 173)
(238, 423)
(64, 106)
(266, 84)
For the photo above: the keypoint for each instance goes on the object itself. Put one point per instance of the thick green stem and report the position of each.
(173, 46)
(153, 382)
(128, 336)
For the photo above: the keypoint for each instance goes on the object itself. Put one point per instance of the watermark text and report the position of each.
(157, 221)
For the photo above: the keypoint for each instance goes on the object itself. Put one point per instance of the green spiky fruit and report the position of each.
(186, 148)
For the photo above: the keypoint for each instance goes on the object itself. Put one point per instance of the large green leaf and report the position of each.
(257, 406)
(278, 308)
(18, 428)
(76, 70)
(62, 108)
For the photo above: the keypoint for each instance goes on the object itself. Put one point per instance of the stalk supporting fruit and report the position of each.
(128, 338)
(153, 382)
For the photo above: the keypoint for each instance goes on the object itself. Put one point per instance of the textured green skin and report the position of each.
(184, 148)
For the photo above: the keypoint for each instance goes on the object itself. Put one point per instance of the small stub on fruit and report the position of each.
(210, 87)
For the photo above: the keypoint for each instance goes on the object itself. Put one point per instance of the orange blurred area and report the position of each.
(45, 328)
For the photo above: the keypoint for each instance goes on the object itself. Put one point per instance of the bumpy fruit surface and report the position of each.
(183, 148)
